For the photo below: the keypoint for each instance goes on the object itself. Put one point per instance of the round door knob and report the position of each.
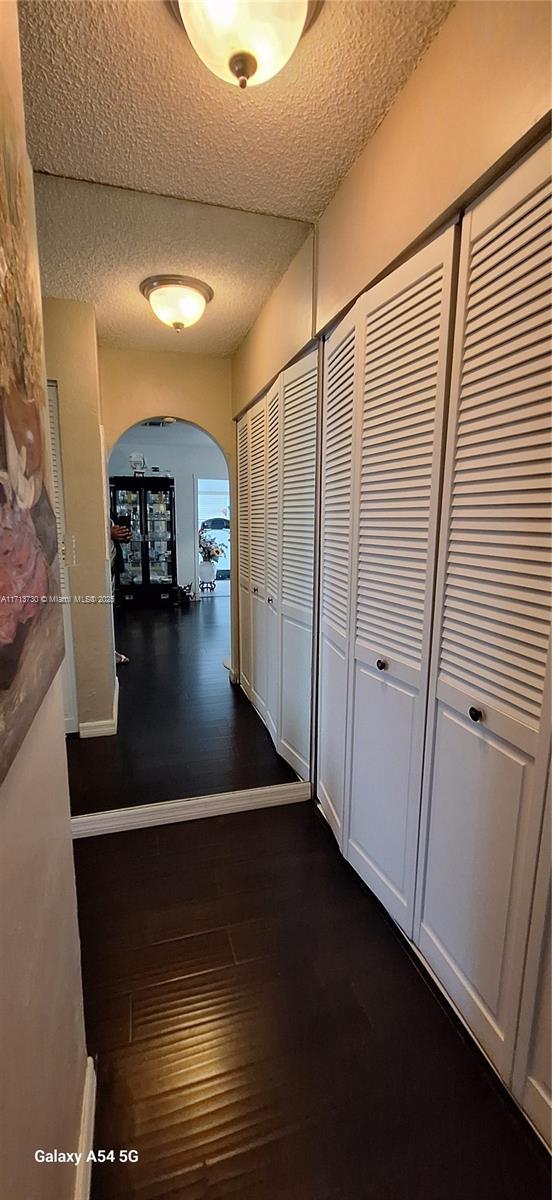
(381, 664)
(255, 590)
(475, 714)
(270, 600)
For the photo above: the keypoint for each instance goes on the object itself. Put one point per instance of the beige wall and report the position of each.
(283, 327)
(42, 1047)
(42, 1042)
(72, 360)
(484, 82)
(136, 384)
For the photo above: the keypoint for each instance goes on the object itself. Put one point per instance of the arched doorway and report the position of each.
(183, 466)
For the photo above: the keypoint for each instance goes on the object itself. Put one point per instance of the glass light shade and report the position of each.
(224, 33)
(176, 300)
(177, 306)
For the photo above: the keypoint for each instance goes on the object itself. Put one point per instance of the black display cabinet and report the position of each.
(145, 570)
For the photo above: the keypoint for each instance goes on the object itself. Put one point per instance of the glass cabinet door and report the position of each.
(159, 535)
(127, 512)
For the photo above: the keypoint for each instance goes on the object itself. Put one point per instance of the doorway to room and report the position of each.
(183, 730)
(213, 524)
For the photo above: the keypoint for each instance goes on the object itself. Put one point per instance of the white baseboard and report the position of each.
(91, 729)
(86, 1136)
(170, 811)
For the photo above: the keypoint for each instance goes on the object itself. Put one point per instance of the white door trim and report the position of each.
(169, 812)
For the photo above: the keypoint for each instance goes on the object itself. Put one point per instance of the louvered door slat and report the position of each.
(340, 389)
(243, 500)
(298, 474)
(487, 741)
(273, 559)
(273, 492)
(244, 554)
(403, 327)
(258, 553)
(257, 496)
(299, 405)
(337, 482)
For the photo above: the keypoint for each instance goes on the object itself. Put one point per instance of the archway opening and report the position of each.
(169, 483)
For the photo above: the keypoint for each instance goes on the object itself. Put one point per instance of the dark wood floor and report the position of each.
(262, 1033)
(183, 729)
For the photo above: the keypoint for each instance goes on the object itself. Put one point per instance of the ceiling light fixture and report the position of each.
(246, 42)
(176, 300)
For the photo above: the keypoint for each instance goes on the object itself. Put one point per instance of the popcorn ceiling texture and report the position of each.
(114, 93)
(97, 243)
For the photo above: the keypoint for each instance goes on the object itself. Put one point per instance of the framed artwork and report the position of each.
(31, 627)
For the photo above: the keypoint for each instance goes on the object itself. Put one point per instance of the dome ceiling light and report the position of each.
(246, 42)
(177, 300)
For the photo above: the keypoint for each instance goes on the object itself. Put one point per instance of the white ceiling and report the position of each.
(97, 243)
(177, 433)
(115, 93)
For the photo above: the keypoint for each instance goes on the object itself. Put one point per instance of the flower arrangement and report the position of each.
(209, 549)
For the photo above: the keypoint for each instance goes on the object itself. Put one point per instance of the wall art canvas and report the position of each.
(31, 627)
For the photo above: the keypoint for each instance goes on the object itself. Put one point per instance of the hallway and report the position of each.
(264, 1034)
(183, 729)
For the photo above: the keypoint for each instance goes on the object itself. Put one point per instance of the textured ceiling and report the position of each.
(97, 243)
(114, 93)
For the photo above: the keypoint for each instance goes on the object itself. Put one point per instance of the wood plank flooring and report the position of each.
(183, 729)
(263, 1034)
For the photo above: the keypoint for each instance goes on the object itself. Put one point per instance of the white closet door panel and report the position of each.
(487, 737)
(273, 666)
(479, 820)
(299, 407)
(403, 333)
(340, 385)
(257, 554)
(259, 653)
(296, 694)
(332, 730)
(298, 496)
(383, 737)
(245, 640)
(257, 498)
(273, 492)
(532, 1080)
(536, 1096)
(243, 554)
(273, 559)
(243, 500)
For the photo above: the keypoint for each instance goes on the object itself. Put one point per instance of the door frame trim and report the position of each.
(169, 812)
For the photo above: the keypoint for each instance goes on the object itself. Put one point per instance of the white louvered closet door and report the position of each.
(257, 553)
(273, 563)
(244, 554)
(486, 742)
(340, 382)
(403, 329)
(532, 1077)
(299, 406)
